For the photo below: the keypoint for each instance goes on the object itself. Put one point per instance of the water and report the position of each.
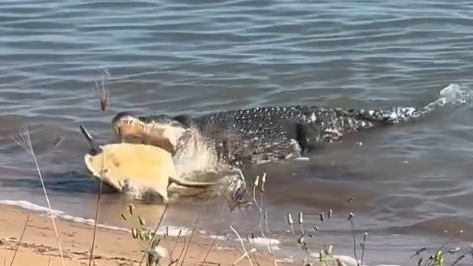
(410, 182)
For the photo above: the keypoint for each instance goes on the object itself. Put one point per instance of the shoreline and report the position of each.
(112, 247)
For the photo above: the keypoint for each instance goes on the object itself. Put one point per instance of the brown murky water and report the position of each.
(411, 183)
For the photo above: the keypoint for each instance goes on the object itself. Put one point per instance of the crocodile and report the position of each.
(254, 135)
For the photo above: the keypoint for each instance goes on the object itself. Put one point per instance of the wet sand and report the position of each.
(112, 247)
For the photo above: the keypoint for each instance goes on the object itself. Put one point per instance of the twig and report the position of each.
(102, 93)
(24, 141)
(19, 241)
(172, 261)
(350, 218)
(97, 213)
(245, 254)
(415, 254)
(215, 239)
(104, 99)
(363, 246)
(458, 260)
(175, 244)
(186, 246)
(182, 250)
(208, 251)
(263, 213)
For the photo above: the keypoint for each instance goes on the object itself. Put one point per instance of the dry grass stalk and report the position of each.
(353, 232)
(208, 251)
(259, 188)
(102, 92)
(19, 241)
(104, 98)
(190, 240)
(24, 141)
(97, 213)
(245, 252)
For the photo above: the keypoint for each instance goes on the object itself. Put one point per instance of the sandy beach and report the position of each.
(112, 247)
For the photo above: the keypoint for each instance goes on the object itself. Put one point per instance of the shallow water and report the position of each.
(410, 182)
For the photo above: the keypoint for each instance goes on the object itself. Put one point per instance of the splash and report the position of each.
(195, 156)
(452, 95)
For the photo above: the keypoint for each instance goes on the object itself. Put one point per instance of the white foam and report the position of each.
(34, 207)
(454, 95)
(350, 261)
(29, 206)
(257, 242)
(265, 242)
(222, 238)
(174, 231)
(170, 230)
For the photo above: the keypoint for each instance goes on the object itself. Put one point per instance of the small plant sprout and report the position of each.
(255, 186)
(301, 218)
(439, 258)
(290, 222)
(351, 219)
(142, 234)
(363, 247)
(263, 182)
(301, 221)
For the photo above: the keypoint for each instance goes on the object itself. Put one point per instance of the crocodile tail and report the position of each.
(454, 95)
(190, 183)
(391, 116)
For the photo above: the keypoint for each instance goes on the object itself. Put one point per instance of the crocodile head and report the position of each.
(162, 130)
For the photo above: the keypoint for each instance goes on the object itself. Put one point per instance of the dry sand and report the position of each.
(112, 247)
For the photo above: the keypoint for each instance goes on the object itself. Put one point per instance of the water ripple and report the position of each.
(201, 56)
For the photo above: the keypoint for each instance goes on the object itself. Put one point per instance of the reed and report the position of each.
(20, 240)
(24, 141)
(103, 96)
